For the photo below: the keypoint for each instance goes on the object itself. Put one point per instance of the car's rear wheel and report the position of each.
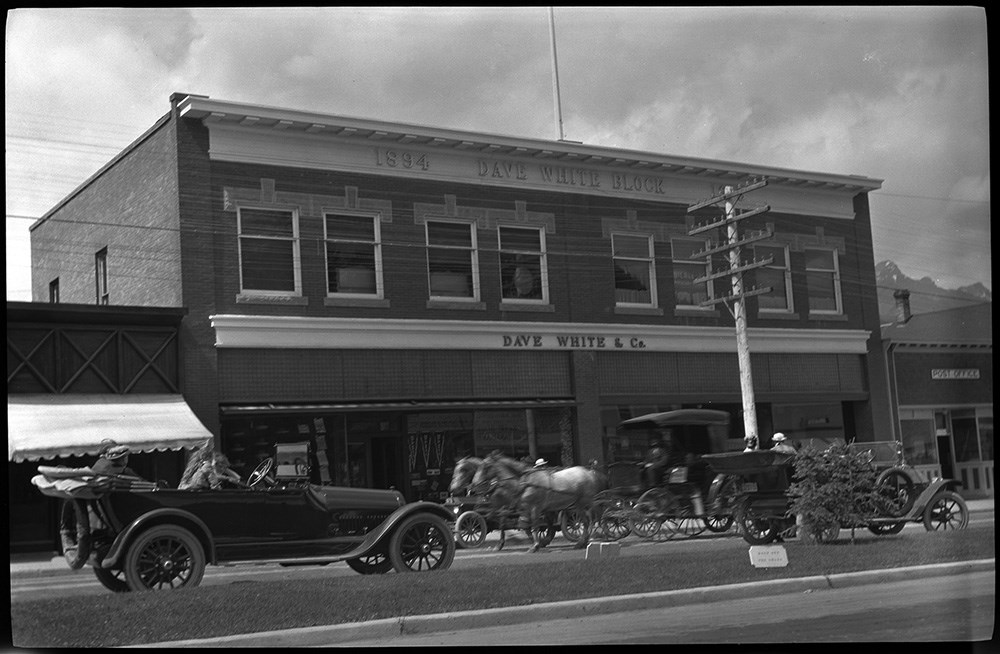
(113, 580)
(422, 542)
(377, 563)
(164, 557)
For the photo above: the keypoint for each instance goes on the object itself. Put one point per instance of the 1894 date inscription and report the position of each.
(402, 159)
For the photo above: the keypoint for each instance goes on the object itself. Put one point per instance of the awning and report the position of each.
(54, 425)
(252, 409)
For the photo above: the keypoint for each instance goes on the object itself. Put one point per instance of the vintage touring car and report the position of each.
(138, 536)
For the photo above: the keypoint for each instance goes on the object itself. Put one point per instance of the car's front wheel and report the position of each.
(422, 542)
(164, 557)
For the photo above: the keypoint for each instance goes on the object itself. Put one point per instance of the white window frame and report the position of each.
(649, 260)
(376, 246)
(473, 255)
(542, 256)
(786, 274)
(706, 264)
(101, 276)
(836, 280)
(296, 255)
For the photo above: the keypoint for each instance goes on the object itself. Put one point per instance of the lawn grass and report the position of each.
(136, 618)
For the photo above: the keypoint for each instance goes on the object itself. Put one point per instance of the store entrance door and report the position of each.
(387, 464)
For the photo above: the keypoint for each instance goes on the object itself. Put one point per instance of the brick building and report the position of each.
(396, 295)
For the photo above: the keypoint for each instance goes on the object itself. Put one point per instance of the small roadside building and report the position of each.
(77, 374)
(940, 373)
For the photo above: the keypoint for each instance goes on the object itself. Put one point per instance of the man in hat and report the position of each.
(655, 462)
(781, 444)
(113, 460)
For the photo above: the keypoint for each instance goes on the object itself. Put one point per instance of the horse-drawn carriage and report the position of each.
(688, 499)
(501, 493)
(761, 480)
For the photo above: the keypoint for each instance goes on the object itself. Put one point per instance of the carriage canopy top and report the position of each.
(678, 417)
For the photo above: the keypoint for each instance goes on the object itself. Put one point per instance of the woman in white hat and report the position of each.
(781, 444)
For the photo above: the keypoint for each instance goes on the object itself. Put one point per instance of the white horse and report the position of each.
(541, 491)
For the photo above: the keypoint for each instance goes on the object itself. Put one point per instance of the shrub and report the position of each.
(832, 487)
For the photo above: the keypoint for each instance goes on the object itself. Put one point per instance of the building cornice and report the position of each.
(294, 332)
(288, 121)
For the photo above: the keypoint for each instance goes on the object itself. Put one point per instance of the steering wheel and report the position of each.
(260, 472)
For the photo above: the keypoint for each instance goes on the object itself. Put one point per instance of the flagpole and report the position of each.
(555, 75)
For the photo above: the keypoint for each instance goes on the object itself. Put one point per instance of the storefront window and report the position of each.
(986, 437)
(963, 425)
(919, 441)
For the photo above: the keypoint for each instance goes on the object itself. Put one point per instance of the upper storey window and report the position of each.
(823, 281)
(523, 272)
(452, 260)
(777, 275)
(687, 268)
(101, 276)
(635, 276)
(269, 251)
(353, 255)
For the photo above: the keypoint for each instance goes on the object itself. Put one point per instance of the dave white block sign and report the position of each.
(768, 556)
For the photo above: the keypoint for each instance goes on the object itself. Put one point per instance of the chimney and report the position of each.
(902, 297)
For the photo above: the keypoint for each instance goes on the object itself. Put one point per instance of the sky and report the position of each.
(892, 93)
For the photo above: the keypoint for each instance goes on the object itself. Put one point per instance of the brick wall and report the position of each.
(130, 208)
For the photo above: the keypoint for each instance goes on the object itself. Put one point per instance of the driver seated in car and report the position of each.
(207, 469)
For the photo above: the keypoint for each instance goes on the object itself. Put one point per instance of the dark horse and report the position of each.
(539, 491)
(499, 501)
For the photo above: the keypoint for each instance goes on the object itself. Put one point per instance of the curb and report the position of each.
(422, 624)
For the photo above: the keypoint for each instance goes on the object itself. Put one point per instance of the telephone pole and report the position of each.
(732, 246)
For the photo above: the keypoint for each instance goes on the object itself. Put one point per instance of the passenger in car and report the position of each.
(113, 460)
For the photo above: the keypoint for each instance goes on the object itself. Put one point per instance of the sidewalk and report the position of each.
(46, 564)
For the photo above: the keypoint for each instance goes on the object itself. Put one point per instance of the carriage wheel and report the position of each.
(895, 489)
(548, 531)
(683, 522)
(722, 501)
(574, 524)
(470, 530)
(756, 528)
(612, 518)
(646, 518)
(945, 512)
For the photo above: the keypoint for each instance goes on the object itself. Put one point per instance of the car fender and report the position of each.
(375, 537)
(161, 516)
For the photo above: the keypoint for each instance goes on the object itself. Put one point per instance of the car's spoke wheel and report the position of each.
(113, 580)
(422, 542)
(164, 557)
(896, 492)
(722, 498)
(470, 530)
(946, 511)
(377, 563)
(886, 528)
